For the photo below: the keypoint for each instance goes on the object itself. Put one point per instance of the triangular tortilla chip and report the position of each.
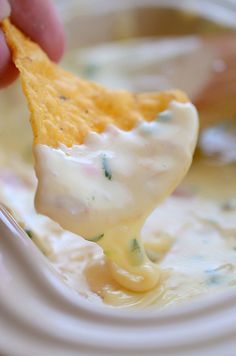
(65, 108)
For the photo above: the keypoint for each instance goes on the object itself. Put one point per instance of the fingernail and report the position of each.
(5, 9)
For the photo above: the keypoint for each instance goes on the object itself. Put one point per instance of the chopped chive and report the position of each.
(224, 267)
(228, 205)
(136, 252)
(164, 116)
(29, 233)
(96, 238)
(90, 70)
(214, 280)
(106, 167)
(63, 97)
(134, 245)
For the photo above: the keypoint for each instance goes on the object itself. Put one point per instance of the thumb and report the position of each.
(5, 9)
(8, 71)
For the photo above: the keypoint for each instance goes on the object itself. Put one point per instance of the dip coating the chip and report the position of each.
(65, 108)
(101, 168)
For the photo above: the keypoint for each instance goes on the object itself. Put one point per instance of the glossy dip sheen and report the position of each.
(191, 236)
(105, 188)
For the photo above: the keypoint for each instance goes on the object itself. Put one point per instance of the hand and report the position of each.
(37, 19)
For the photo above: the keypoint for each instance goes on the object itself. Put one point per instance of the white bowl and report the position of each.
(39, 314)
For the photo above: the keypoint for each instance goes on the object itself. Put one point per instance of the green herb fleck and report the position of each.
(106, 167)
(228, 205)
(164, 116)
(63, 97)
(96, 238)
(90, 70)
(134, 245)
(136, 252)
(29, 233)
(214, 280)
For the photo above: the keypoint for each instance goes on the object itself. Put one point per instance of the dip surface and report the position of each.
(192, 235)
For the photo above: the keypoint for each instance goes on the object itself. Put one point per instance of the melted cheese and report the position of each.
(191, 235)
(105, 189)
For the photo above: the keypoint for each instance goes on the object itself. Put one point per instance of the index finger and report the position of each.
(4, 9)
(39, 20)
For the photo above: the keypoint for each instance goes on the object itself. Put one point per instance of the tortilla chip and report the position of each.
(65, 108)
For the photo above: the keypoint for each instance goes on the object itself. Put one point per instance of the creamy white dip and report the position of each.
(192, 236)
(105, 188)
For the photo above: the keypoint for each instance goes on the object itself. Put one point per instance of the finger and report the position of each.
(4, 9)
(8, 71)
(39, 20)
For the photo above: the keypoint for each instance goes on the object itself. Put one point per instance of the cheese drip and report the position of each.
(105, 188)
